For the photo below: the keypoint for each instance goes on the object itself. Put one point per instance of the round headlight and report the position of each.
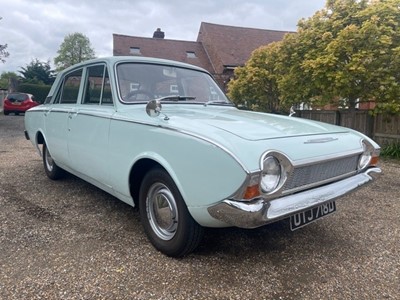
(365, 157)
(271, 174)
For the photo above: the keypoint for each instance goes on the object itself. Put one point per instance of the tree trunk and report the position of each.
(352, 112)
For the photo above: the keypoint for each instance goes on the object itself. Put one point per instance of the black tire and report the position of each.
(6, 112)
(165, 217)
(53, 171)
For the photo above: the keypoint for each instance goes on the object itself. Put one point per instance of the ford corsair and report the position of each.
(160, 135)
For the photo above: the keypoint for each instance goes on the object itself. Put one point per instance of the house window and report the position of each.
(135, 51)
(190, 54)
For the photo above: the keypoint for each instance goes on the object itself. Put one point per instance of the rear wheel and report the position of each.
(53, 171)
(165, 217)
(6, 112)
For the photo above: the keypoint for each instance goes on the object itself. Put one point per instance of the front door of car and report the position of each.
(88, 127)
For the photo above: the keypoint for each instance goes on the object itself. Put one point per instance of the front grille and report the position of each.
(321, 172)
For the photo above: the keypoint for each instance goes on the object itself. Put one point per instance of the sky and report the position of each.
(35, 29)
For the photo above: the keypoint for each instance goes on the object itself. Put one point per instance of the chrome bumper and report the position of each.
(260, 212)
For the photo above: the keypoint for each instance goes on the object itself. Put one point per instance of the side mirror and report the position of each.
(153, 109)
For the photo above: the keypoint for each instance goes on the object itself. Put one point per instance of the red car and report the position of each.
(18, 103)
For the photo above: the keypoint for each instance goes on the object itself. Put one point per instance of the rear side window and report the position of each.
(69, 90)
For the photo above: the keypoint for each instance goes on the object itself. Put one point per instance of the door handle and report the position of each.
(72, 114)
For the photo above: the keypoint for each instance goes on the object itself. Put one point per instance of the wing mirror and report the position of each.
(153, 109)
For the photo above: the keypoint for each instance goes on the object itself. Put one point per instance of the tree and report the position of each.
(5, 79)
(75, 48)
(255, 85)
(350, 50)
(37, 72)
(3, 51)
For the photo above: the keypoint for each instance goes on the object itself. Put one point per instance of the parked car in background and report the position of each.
(18, 103)
(161, 135)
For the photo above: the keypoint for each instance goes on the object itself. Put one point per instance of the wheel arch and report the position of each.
(137, 173)
(39, 140)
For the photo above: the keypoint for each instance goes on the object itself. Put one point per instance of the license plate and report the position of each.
(16, 103)
(306, 217)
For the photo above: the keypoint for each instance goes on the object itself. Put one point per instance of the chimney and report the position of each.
(158, 34)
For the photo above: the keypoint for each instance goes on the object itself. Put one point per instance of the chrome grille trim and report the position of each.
(306, 176)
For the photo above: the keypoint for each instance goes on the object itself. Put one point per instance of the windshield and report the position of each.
(140, 82)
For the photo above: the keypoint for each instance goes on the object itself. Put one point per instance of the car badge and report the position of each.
(321, 140)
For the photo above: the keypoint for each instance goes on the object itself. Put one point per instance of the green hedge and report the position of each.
(391, 150)
(39, 91)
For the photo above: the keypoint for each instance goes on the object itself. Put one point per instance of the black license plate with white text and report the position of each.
(306, 217)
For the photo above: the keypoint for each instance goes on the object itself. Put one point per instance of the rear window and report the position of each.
(17, 97)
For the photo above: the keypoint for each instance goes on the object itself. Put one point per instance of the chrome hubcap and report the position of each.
(162, 212)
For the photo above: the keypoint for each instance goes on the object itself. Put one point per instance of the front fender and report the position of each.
(203, 172)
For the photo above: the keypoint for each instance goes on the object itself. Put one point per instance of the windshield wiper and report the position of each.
(176, 98)
(218, 102)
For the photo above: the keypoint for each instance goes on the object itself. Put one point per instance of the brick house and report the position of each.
(219, 48)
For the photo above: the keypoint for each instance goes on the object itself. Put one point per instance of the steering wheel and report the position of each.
(133, 95)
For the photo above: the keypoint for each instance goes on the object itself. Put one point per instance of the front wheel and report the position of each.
(53, 171)
(165, 217)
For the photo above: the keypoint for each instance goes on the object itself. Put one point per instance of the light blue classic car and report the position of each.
(162, 136)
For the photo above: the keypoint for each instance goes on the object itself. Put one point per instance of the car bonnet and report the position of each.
(246, 125)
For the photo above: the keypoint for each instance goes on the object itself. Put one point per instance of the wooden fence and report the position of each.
(384, 129)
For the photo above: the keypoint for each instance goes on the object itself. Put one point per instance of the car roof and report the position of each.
(112, 60)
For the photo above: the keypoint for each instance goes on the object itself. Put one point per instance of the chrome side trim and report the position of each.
(260, 212)
(127, 120)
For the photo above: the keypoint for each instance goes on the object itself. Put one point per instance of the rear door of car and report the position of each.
(58, 113)
(88, 125)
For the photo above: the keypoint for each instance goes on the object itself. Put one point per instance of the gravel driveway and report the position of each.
(69, 240)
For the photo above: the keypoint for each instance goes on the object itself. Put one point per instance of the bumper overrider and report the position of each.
(259, 212)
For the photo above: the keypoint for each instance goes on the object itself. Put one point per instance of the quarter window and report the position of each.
(107, 95)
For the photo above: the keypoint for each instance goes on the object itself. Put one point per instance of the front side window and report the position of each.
(97, 86)
(93, 85)
(141, 82)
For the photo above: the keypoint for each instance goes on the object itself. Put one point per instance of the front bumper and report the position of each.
(260, 212)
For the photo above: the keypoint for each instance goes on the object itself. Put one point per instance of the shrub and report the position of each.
(391, 150)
